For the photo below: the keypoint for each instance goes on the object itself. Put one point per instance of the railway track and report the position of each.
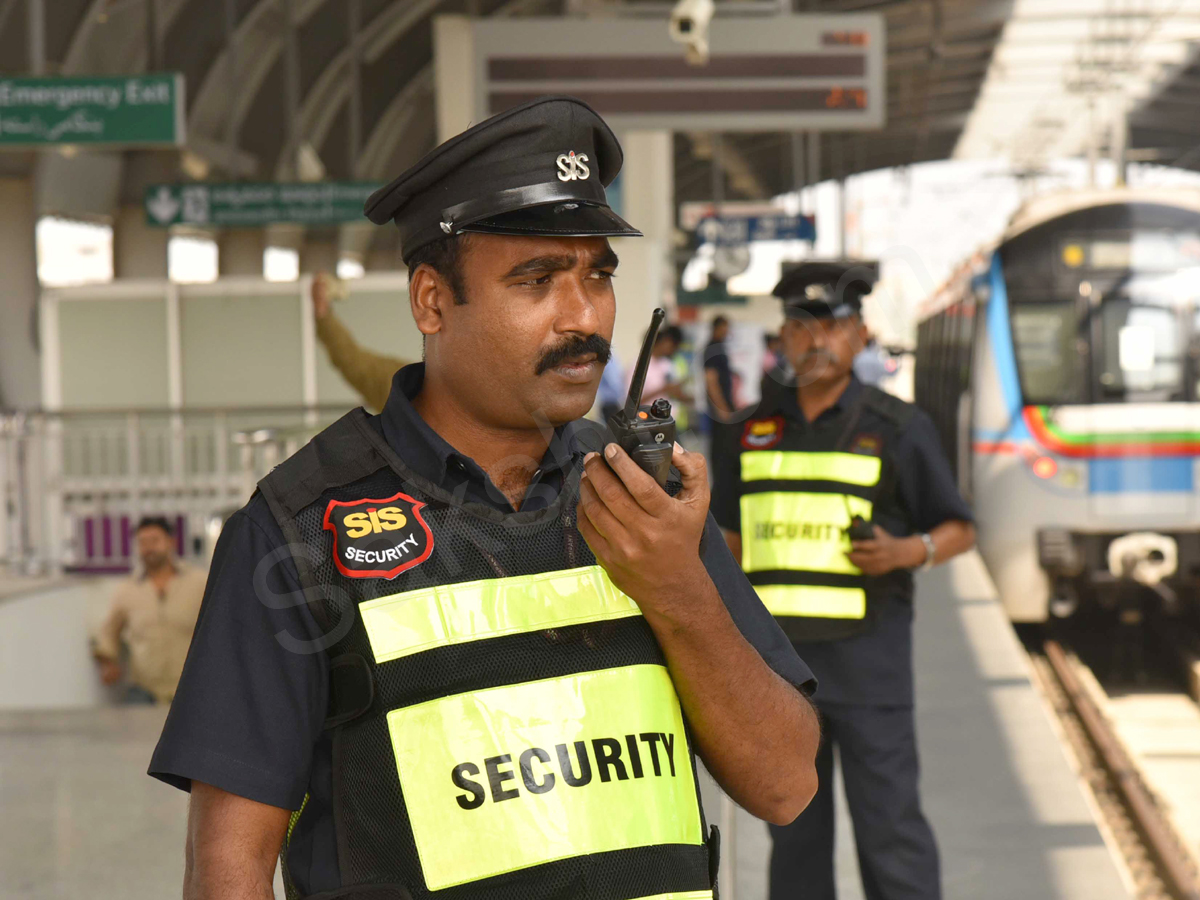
(1155, 855)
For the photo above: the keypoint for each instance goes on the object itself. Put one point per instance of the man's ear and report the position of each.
(864, 334)
(428, 295)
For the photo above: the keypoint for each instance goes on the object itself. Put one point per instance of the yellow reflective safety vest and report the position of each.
(800, 488)
(503, 723)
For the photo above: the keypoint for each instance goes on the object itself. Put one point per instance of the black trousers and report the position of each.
(897, 855)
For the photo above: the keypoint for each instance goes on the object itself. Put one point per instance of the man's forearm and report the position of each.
(952, 538)
(757, 734)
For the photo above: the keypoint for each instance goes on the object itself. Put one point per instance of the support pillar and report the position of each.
(1120, 144)
(383, 252)
(454, 80)
(354, 242)
(318, 255)
(20, 373)
(139, 251)
(241, 252)
(646, 277)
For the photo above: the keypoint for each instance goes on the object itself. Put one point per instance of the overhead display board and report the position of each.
(732, 231)
(130, 111)
(255, 205)
(765, 73)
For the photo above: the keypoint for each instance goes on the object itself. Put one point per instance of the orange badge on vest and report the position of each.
(378, 538)
(866, 444)
(763, 434)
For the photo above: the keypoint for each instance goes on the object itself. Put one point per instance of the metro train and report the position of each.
(1061, 366)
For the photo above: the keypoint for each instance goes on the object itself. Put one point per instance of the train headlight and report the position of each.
(1057, 472)
(1044, 467)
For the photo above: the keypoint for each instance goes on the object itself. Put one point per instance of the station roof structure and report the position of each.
(1027, 79)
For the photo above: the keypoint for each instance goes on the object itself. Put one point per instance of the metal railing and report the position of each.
(74, 484)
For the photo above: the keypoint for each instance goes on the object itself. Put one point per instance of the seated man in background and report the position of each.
(153, 615)
(368, 372)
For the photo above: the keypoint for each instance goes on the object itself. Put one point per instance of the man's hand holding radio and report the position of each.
(648, 541)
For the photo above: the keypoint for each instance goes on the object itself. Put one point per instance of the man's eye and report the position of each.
(545, 279)
(601, 275)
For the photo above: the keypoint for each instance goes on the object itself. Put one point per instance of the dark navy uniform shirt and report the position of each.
(873, 668)
(247, 717)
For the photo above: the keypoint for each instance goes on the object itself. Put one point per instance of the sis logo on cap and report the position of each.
(572, 167)
(378, 538)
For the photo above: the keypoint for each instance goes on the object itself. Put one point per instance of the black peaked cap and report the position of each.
(824, 288)
(536, 169)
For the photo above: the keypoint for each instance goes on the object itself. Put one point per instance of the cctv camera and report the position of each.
(689, 26)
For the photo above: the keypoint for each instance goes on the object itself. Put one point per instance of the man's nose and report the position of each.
(576, 311)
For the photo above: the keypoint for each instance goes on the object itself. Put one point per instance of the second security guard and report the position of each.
(833, 494)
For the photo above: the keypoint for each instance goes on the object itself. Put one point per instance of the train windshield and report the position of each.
(1120, 324)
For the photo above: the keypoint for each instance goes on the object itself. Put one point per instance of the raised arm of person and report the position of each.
(368, 372)
(232, 846)
(757, 733)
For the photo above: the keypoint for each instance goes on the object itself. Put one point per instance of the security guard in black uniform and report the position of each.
(452, 650)
(832, 493)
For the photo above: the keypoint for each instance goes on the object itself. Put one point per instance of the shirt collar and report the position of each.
(789, 403)
(177, 567)
(429, 454)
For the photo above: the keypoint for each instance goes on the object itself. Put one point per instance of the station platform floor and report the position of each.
(82, 820)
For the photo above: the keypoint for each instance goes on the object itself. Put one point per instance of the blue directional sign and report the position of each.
(736, 230)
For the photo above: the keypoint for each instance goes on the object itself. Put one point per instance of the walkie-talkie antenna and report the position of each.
(639, 372)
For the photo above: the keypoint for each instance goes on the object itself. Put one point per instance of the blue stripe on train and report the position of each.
(1000, 334)
(1153, 474)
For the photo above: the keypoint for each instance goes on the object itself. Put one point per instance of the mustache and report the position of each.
(574, 347)
(818, 356)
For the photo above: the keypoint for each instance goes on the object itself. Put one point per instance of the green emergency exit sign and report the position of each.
(255, 205)
(135, 110)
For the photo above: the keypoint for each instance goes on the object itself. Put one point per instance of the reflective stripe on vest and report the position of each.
(681, 895)
(794, 542)
(530, 773)
(813, 601)
(848, 468)
(402, 624)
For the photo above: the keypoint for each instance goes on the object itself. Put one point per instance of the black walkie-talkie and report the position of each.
(860, 529)
(646, 433)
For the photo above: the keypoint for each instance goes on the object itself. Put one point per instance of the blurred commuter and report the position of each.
(662, 376)
(614, 385)
(831, 494)
(682, 408)
(771, 347)
(368, 372)
(870, 365)
(718, 374)
(152, 616)
(774, 362)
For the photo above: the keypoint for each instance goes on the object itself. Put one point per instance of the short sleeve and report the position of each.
(924, 480)
(726, 500)
(747, 611)
(251, 702)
